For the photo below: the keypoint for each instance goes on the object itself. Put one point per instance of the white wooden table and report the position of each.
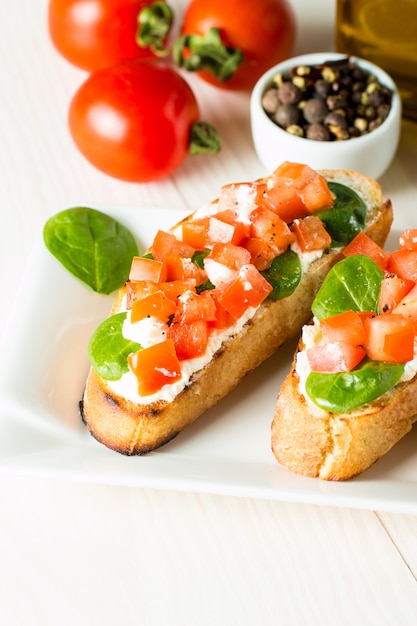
(78, 551)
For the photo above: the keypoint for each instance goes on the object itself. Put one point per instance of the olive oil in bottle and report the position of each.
(385, 33)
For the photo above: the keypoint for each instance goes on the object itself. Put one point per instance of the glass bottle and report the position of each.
(385, 33)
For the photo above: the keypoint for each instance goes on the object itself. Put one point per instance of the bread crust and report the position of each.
(338, 446)
(131, 428)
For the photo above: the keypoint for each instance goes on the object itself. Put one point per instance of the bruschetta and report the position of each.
(352, 392)
(216, 295)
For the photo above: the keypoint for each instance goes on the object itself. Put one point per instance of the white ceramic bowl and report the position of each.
(369, 154)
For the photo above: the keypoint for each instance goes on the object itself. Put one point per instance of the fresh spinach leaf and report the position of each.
(352, 284)
(284, 274)
(108, 349)
(91, 245)
(347, 216)
(199, 256)
(346, 391)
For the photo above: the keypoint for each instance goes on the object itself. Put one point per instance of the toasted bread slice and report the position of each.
(338, 446)
(133, 428)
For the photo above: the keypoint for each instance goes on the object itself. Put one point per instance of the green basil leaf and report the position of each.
(352, 284)
(199, 256)
(346, 391)
(91, 245)
(284, 274)
(108, 349)
(347, 216)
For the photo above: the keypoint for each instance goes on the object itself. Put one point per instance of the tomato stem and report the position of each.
(154, 26)
(204, 139)
(207, 52)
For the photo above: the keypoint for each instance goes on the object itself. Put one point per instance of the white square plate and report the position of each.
(227, 451)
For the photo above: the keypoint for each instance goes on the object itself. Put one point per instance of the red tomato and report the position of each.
(155, 367)
(408, 305)
(156, 304)
(311, 233)
(137, 289)
(165, 243)
(175, 288)
(331, 358)
(233, 194)
(193, 307)
(408, 239)
(264, 31)
(143, 269)
(403, 263)
(182, 268)
(389, 338)
(346, 327)
(190, 340)
(96, 33)
(393, 290)
(267, 225)
(363, 244)
(262, 254)
(296, 191)
(233, 257)
(133, 120)
(249, 288)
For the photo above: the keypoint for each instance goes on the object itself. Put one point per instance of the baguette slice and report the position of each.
(132, 428)
(338, 446)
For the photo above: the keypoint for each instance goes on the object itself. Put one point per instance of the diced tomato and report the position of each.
(363, 244)
(389, 338)
(233, 297)
(408, 239)
(261, 252)
(330, 358)
(296, 190)
(225, 229)
(176, 288)
(223, 317)
(393, 290)
(404, 264)
(408, 305)
(267, 225)
(147, 269)
(311, 233)
(193, 307)
(240, 230)
(235, 194)
(156, 304)
(166, 243)
(249, 288)
(194, 232)
(182, 268)
(257, 286)
(233, 257)
(344, 327)
(365, 314)
(155, 367)
(136, 289)
(219, 231)
(190, 340)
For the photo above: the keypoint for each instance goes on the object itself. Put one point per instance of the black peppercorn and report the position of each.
(332, 101)
(315, 110)
(287, 114)
(318, 132)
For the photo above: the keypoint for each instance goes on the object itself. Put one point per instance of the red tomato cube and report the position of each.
(155, 367)
(363, 244)
(331, 358)
(344, 327)
(389, 338)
